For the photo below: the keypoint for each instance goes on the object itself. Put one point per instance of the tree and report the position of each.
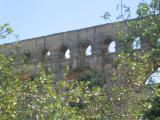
(5, 30)
(92, 76)
(23, 96)
(151, 106)
(134, 66)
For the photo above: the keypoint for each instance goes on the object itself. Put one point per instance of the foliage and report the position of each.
(80, 102)
(30, 96)
(135, 66)
(5, 30)
(92, 76)
(151, 105)
(23, 96)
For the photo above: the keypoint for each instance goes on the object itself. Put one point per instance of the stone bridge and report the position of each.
(100, 42)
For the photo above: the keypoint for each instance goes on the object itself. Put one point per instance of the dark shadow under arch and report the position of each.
(45, 54)
(26, 56)
(85, 48)
(108, 46)
(64, 52)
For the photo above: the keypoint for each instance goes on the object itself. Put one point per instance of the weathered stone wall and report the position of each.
(99, 37)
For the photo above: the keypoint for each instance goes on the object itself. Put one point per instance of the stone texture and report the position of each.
(99, 37)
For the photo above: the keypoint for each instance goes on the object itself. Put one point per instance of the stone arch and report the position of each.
(67, 54)
(85, 48)
(108, 45)
(112, 47)
(64, 52)
(45, 54)
(26, 56)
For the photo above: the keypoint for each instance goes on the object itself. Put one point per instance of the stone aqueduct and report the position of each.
(98, 37)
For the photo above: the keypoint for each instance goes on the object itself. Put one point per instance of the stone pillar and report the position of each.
(74, 57)
(58, 71)
(53, 54)
(97, 59)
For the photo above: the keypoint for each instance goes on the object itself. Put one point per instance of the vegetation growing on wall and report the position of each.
(24, 97)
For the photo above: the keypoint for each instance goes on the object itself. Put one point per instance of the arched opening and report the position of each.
(154, 78)
(26, 56)
(88, 51)
(67, 54)
(64, 53)
(85, 49)
(46, 54)
(108, 46)
(112, 47)
(136, 45)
